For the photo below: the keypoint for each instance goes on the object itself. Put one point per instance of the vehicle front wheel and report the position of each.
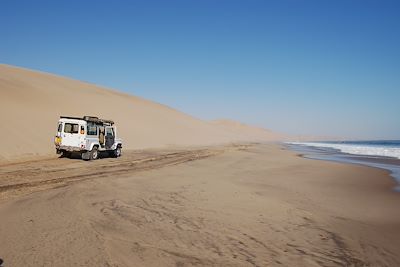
(116, 152)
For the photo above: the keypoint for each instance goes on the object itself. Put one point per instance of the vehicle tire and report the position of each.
(117, 152)
(65, 154)
(86, 155)
(94, 153)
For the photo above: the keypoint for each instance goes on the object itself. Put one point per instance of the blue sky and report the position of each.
(299, 67)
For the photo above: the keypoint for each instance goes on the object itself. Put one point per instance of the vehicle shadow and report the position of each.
(78, 156)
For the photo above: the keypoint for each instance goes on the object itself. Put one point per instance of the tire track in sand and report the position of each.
(23, 178)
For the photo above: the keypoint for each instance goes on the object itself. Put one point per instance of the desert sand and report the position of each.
(231, 205)
(31, 103)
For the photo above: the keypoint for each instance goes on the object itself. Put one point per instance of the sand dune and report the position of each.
(31, 103)
(251, 132)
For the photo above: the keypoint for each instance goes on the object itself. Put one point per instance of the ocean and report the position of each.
(384, 154)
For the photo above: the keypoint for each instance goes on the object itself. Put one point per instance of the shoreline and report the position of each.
(389, 164)
(254, 205)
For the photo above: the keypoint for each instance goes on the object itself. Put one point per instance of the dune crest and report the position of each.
(31, 103)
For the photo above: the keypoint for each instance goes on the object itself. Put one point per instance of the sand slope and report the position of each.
(251, 132)
(31, 103)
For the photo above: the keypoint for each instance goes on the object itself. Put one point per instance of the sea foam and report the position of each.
(357, 149)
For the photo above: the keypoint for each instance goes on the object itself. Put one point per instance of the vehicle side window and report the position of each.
(71, 128)
(109, 132)
(91, 129)
(59, 128)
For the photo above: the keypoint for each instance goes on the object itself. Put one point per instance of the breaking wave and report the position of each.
(367, 148)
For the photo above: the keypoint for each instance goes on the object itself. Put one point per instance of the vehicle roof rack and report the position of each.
(97, 120)
(90, 119)
(69, 117)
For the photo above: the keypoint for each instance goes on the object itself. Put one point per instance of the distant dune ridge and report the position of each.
(31, 103)
(250, 132)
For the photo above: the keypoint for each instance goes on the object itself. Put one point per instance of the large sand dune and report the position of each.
(31, 103)
(251, 132)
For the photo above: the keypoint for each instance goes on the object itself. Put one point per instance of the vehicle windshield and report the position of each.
(71, 128)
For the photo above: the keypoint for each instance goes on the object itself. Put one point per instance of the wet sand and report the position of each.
(247, 205)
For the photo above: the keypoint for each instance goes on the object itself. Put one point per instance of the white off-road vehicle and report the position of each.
(87, 136)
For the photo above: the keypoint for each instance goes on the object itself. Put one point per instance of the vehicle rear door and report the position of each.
(70, 135)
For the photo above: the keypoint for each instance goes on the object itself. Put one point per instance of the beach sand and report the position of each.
(237, 205)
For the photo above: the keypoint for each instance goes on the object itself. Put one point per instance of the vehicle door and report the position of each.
(110, 137)
(92, 136)
(70, 135)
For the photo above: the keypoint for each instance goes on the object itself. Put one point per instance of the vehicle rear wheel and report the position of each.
(94, 153)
